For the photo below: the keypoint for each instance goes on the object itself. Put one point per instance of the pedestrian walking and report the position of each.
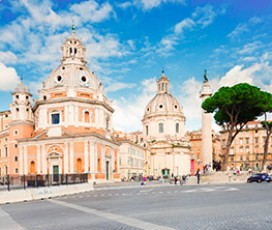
(176, 179)
(198, 176)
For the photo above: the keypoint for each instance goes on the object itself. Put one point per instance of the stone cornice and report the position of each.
(71, 99)
(68, 138)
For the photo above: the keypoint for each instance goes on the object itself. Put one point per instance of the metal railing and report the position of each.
(9, 182)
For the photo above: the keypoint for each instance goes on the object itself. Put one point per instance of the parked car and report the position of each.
(259, 177)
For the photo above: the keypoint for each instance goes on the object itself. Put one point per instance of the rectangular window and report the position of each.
(241, 158)
(247, 140)
(6, 151)
(16, 158)
(55, 118)
(160, 127)
(241, 141)
(16, 170)
(146, 129)
(256, 140)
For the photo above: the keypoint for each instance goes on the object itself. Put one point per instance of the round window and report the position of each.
(176, 106)
(83, 79)
(160, 106)
(59, 78)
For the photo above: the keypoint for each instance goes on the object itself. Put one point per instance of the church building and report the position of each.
(164, 133)
(67, 129)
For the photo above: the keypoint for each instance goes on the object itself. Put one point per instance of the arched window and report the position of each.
(32, 167)
(75, 50)
(161, 128)
(79, 167)
(71, 50)
(177, 127)
(146, 129)
(86, 117)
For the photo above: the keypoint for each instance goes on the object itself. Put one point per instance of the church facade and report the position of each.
(166, 142)
(67, 129)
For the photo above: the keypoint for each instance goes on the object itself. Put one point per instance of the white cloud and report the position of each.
(239, 30)
(125, 5)
(150, 4)
(187, 23)
(92, 11)
(119, 86)
(8, 78)
(8, 57)
(135, 105)
(204, 16)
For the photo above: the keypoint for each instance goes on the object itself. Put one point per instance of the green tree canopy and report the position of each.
(233, 107)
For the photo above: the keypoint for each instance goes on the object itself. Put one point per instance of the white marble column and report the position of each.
(72, 157)
(66, 157)
(38, 159)
(117, 160)
(206, 92)
(86, 156)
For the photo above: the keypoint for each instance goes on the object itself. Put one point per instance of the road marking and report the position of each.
(7, 222)
(114, 217)
(231, 189)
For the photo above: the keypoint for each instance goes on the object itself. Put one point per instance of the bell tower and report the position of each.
(21, 125)
(21, 108)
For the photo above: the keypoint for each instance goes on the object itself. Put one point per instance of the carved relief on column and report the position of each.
(86, 156)
(72, 170)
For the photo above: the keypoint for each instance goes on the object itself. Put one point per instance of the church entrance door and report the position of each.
(55, 173)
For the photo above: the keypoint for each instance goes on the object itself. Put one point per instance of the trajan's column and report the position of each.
(206, 92)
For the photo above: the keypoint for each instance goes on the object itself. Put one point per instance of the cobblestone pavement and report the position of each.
(167, 207)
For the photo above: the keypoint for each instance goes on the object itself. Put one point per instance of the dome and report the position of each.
(73, 73)
(72, 76)
(163, 103)
(21, 88)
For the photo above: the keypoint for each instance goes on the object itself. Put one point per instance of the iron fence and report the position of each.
(10, 182)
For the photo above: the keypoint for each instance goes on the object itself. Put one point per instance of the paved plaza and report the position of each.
(154, 206)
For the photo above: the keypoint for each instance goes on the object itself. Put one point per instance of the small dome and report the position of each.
(21, 88)
(163, 102)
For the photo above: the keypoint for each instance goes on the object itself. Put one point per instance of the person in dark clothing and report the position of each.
(198, 176)
(176, 179)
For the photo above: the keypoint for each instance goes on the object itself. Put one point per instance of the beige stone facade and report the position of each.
(196, 149)
(67, 130)
(248, 147)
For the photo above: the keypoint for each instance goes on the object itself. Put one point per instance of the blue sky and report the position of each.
(130, 42)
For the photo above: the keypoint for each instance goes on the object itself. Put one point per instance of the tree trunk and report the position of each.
(226, 152)
(268, 134)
